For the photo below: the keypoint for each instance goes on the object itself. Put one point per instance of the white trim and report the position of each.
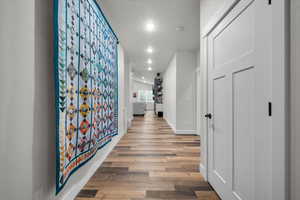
(280, 17)
(197, 101)
(180, 132)
(186, 132)
(218, 17)
(204, 73)
(171, 125)
(129, 122)
(203, 171)
(75, 189)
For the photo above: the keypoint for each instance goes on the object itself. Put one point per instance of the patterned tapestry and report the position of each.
(86, 84)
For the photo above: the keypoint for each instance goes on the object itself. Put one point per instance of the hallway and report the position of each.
(150, 162)
(150, 99)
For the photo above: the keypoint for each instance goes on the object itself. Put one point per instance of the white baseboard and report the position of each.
(180, 132)
(203, 171)
(129, 122)
(170, 124)
(76, 187)
(186, 132)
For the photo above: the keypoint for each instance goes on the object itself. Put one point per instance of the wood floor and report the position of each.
(150, 162)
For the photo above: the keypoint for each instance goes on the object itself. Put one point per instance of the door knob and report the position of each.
(208, 115)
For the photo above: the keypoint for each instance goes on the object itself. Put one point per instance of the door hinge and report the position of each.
(270, 108)
(270, 2)
(208, 115)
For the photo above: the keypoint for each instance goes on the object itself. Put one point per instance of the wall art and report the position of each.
(86, 73)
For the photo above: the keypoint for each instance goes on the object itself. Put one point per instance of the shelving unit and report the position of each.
(158, 95)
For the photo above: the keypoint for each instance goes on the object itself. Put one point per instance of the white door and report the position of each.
(239, 92)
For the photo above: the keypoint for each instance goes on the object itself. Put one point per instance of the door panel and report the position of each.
(243, 139)
(239, 88)
(234, 40)
(221, 139)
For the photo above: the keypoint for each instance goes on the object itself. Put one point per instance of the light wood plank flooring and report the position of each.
(150, 162)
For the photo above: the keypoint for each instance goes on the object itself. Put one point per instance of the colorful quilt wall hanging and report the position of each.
(86, 70)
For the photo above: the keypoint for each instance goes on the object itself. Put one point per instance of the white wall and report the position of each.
(122, 97)
(295, 102)
(44, 110)
(17, 86)
(127, 94)
(198, 59)
(169, 93)
(186, 92)
(130, 111)
(180, 92)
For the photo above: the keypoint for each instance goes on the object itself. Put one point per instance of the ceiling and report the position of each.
(128, 18)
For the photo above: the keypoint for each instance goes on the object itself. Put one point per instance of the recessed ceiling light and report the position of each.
(143, 77)
(149, 68)
(150, 50)
(149, 61)
(150, 27)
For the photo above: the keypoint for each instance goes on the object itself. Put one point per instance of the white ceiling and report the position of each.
(128, 19)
